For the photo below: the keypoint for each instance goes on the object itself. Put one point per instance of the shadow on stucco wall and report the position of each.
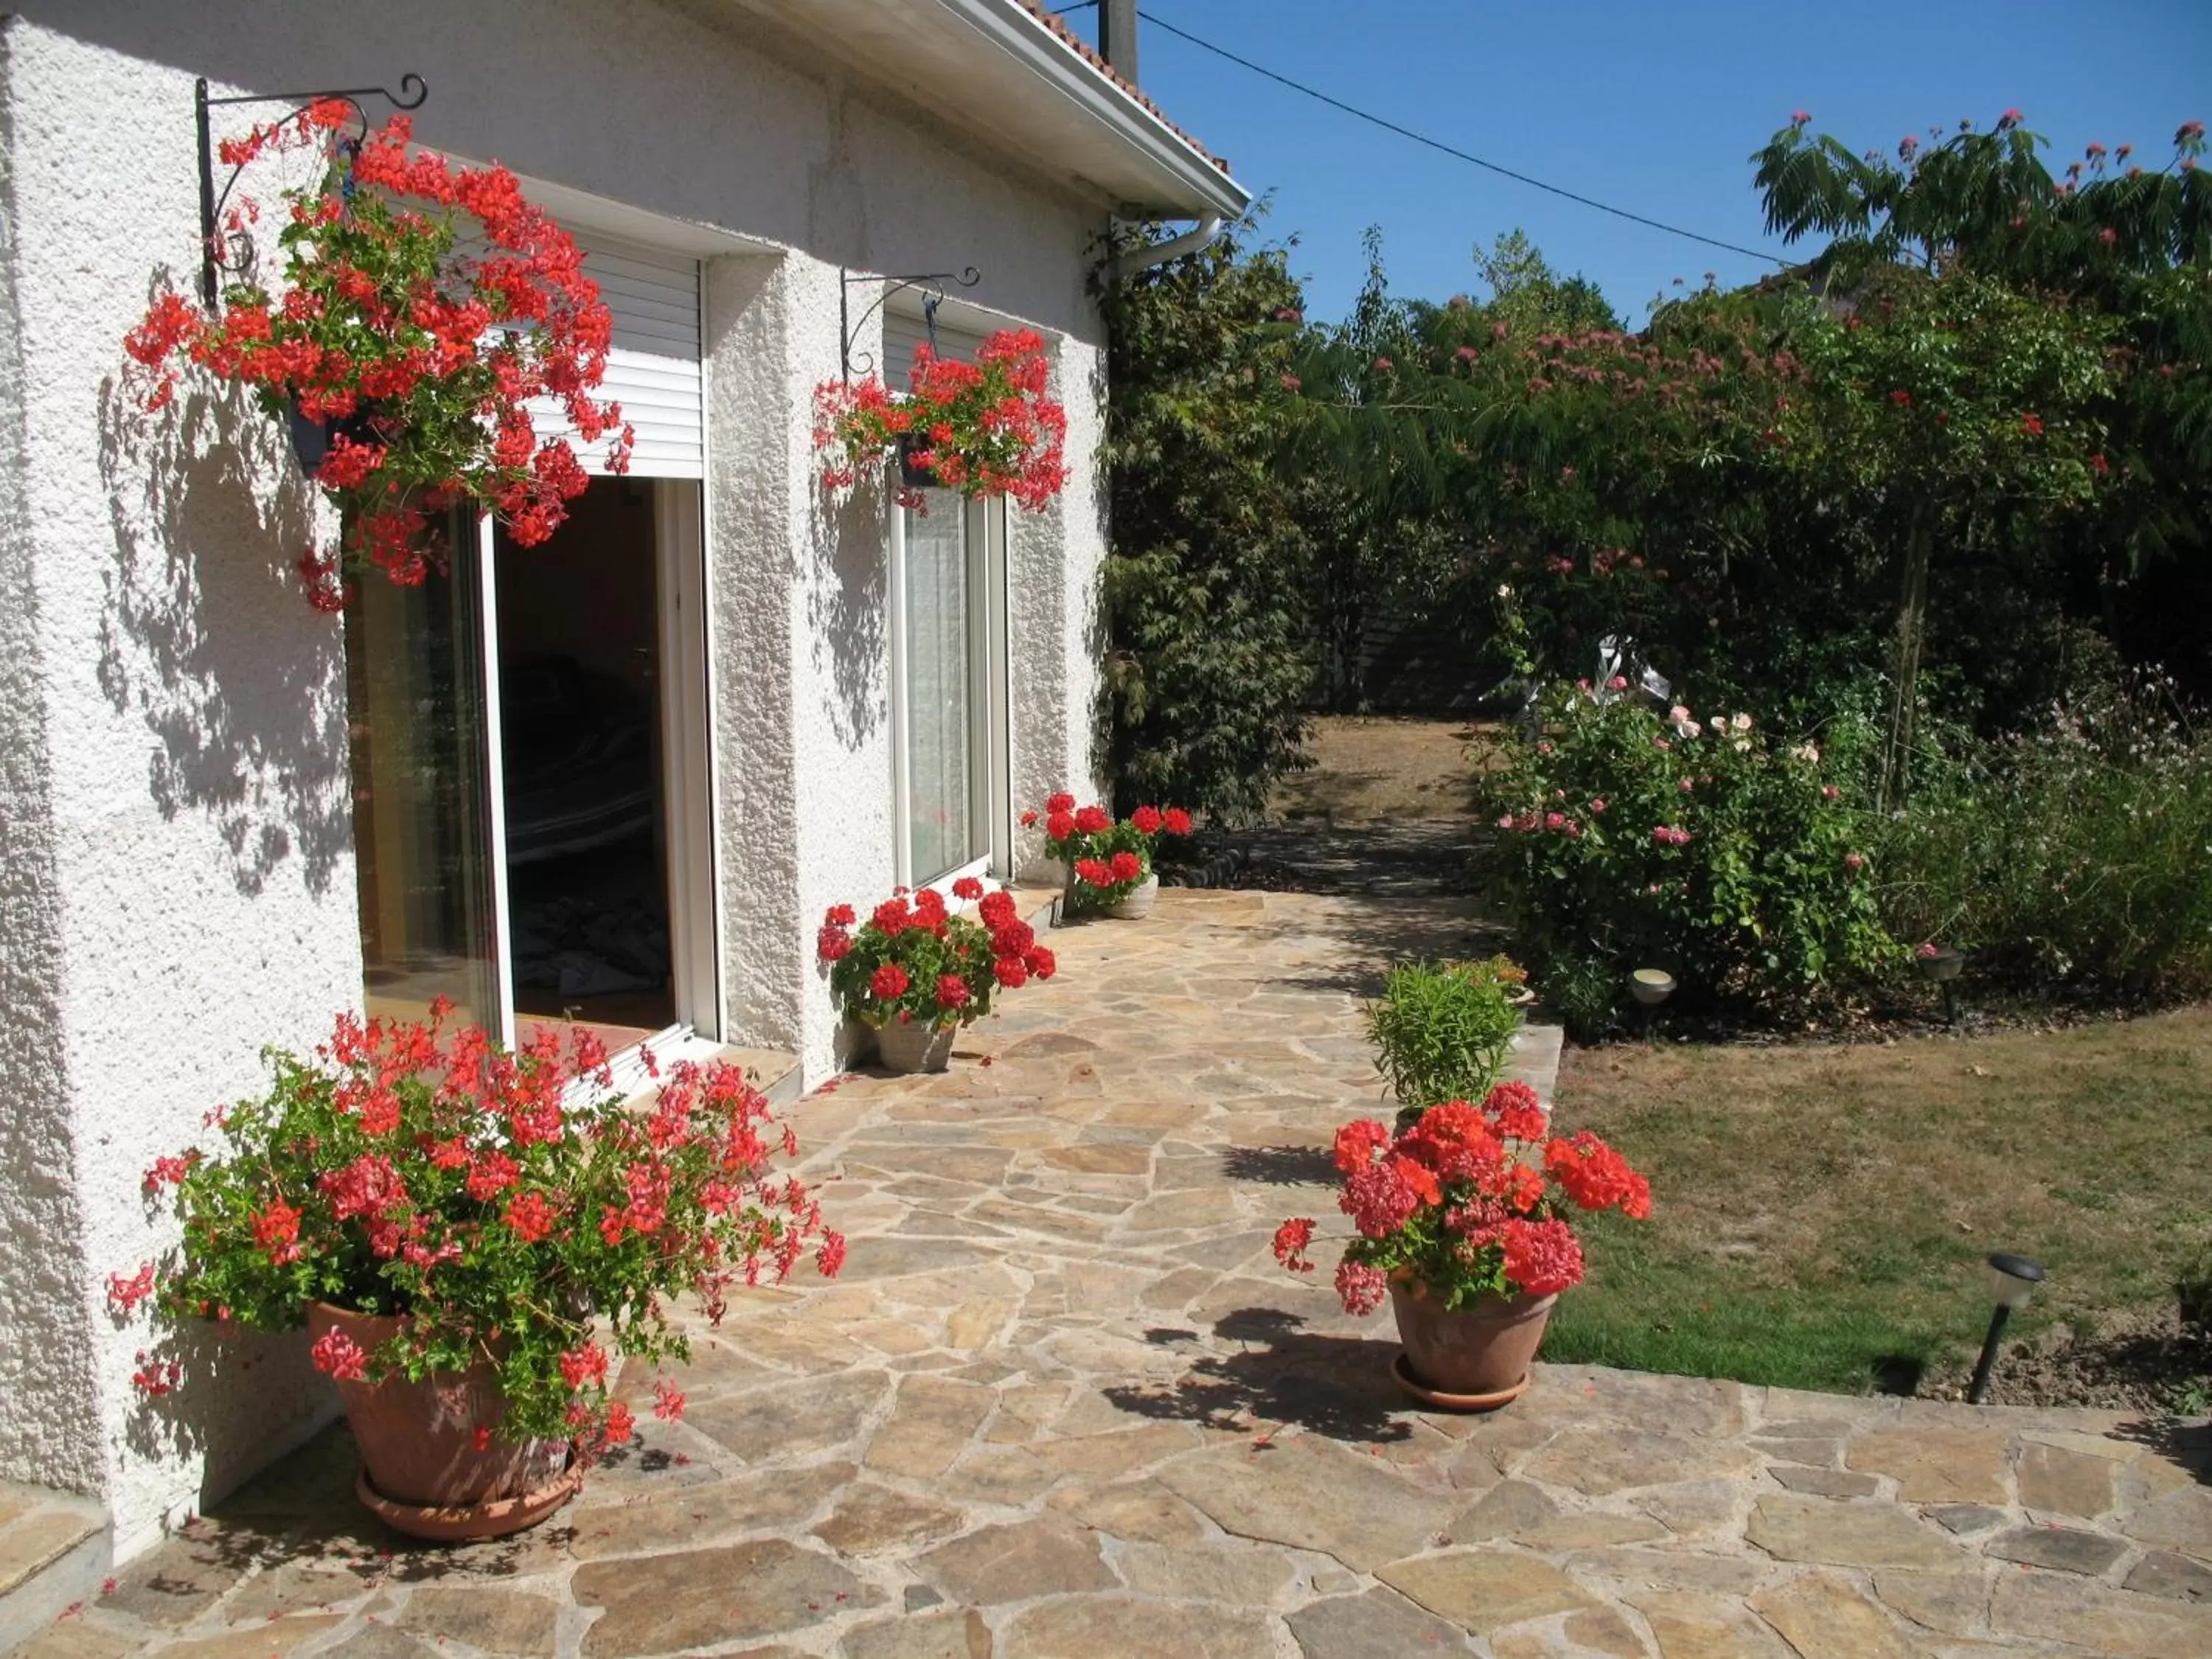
(205, 636)
(202, 1368)
(1097, 635)
(847, 594)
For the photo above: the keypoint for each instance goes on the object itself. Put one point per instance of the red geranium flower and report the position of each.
(951, 991)
(967, 888)
(1093, 820)
(1146, 819)
(889, 980)
(1177, 821)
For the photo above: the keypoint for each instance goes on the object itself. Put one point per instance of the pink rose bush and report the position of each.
(1632, 836)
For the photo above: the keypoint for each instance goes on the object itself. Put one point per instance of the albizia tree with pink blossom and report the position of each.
(1971, 427)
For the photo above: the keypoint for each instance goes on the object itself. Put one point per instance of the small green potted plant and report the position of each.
(1461, 1221)
(916, 971)
(1441, 1031)
(1108, 863)
(471, 1235)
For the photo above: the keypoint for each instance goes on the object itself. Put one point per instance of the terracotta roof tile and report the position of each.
(1051, 21)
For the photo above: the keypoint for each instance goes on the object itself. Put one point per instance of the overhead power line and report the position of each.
(1452, 150)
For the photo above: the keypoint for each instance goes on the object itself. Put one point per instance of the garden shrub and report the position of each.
(2077, 853)
(1633, 837)
(1440, 1029)
(1209, 660)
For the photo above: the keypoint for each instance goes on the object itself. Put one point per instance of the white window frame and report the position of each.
(984, 524)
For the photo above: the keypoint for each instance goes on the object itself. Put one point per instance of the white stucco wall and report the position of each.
(185, 717)
(174, 810)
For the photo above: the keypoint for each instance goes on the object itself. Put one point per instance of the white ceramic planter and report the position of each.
(1139, 904)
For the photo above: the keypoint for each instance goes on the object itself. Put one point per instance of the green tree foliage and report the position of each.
(2109, 237)
(1972, 434)
(1208, 662)
(1529, 296)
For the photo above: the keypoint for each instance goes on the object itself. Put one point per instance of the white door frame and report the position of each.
(686, 724)
(686, 784)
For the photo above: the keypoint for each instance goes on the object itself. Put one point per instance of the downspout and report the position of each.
(1208, 232)
(1117, 44)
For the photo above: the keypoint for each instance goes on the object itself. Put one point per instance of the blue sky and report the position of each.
(1653, 107)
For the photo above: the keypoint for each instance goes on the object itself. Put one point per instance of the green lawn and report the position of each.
(1820, 1213)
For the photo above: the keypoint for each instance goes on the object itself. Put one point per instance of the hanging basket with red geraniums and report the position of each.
(1462, 1223)
(410, 363)
(987, 428)
(472, 1234)
(1107, 860)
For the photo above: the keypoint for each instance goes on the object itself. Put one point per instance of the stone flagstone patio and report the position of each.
(1061, 1404)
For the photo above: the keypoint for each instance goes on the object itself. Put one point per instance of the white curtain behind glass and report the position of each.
(937, 673)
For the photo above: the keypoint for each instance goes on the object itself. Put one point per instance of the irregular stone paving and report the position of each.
(1062, 1405)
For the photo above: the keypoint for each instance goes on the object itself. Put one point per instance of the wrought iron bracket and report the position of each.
(931, 282)
(220, 252)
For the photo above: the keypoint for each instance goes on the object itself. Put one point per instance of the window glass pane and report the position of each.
(938, 764)
(585, 785)
(414, 681)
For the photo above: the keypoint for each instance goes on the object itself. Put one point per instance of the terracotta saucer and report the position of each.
(449, 1523)
(1453, 1402)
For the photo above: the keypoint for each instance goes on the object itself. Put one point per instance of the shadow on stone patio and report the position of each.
(1336, 1386)
(1280, 1166)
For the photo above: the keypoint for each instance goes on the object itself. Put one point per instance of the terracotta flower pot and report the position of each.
(1139, 903)
(915, 1046)
(1480, 1352)
(421, 1471)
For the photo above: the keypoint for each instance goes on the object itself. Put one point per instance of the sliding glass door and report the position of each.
(423, 842)
(948, 565)
(529, 757)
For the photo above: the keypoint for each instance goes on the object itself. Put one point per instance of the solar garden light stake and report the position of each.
(1650, 987)
(2013, 1279)
(1942, 964)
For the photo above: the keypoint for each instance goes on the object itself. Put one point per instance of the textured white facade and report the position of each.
(179, 883)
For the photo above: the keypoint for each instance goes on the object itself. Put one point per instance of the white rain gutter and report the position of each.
(1017, 31)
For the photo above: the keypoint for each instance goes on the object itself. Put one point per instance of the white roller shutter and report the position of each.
(653, 369)
(904, 330)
